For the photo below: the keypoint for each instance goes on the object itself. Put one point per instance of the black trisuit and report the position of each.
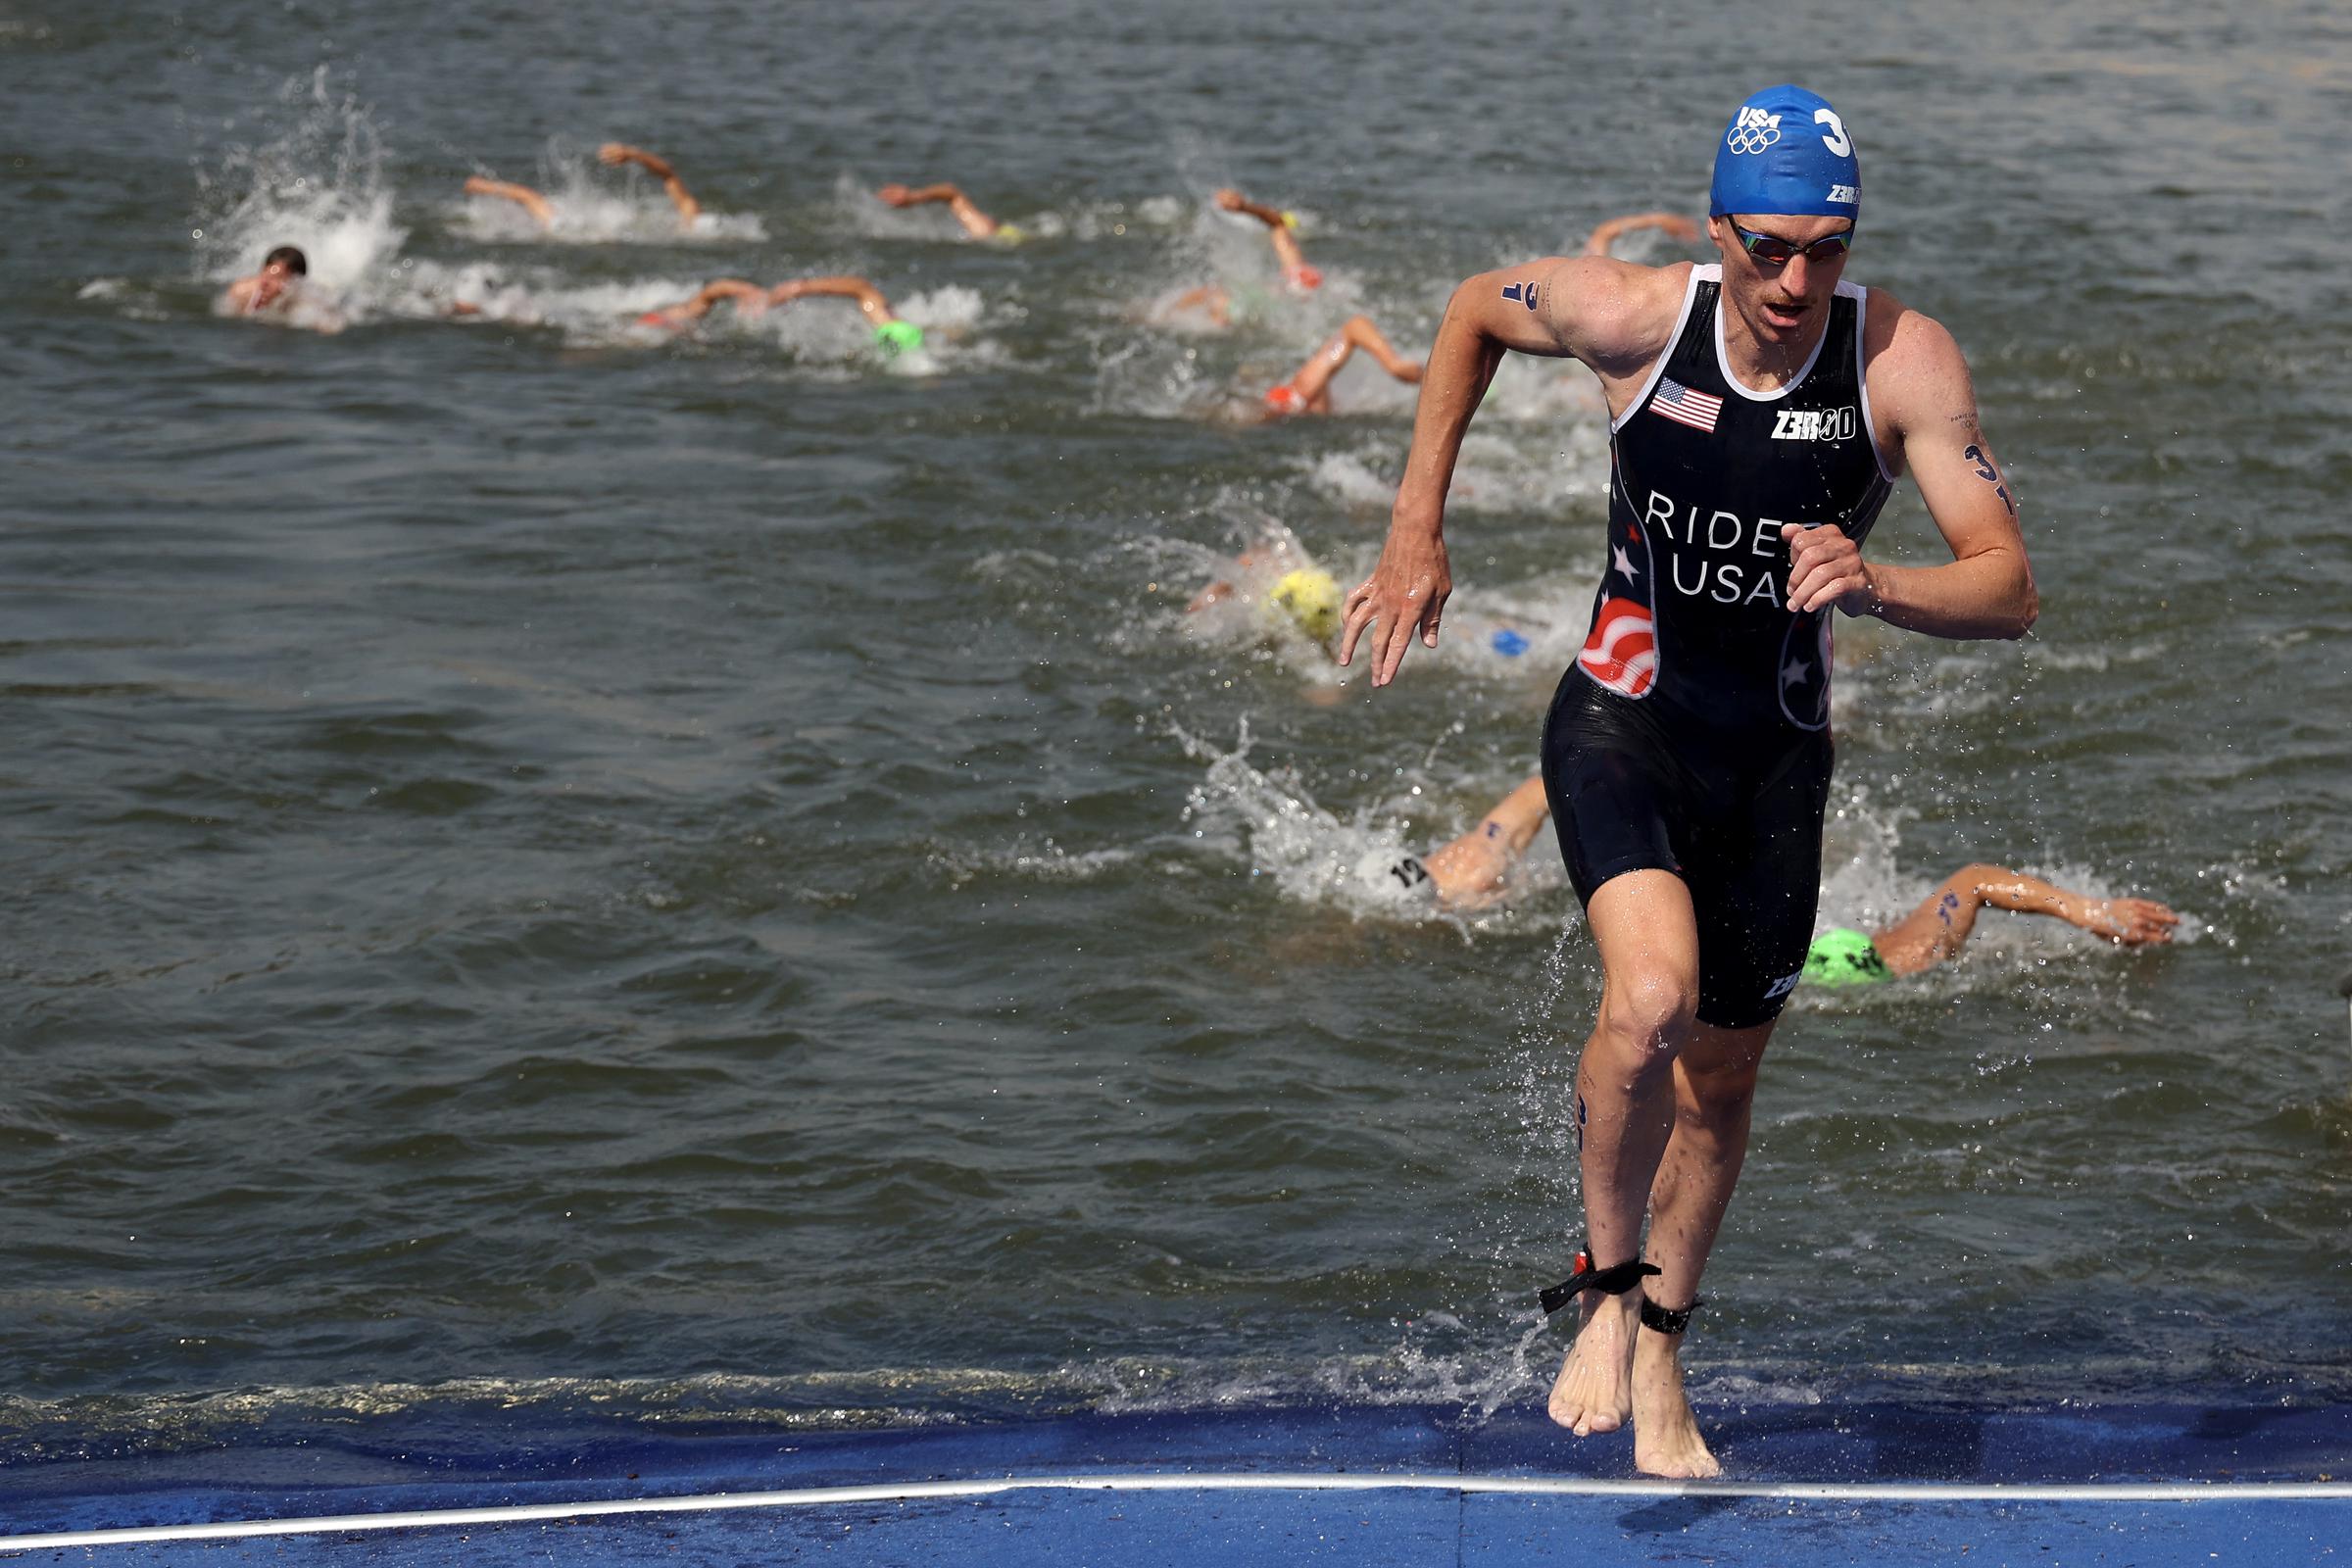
(1691, 735)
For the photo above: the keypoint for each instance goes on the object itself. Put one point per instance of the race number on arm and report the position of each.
(1612, 315)
(1925, 408)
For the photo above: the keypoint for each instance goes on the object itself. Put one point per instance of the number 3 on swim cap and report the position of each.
(1835, 140)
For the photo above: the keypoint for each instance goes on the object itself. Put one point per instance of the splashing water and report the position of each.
(319, 186)
(1310, 855)
(594, 206)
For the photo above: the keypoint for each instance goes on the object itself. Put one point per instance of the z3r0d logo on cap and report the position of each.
(1753, 131)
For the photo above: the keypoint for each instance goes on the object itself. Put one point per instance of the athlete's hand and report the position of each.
(895, 195)
(2133, 922)
(1826, 567)
(1406, 593)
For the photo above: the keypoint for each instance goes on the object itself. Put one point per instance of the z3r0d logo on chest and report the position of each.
(1815, 424)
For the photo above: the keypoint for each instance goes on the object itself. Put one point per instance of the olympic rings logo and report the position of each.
(1751, 138)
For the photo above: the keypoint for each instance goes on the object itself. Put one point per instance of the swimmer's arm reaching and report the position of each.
(1612, 315)
(1597, 242)
(1943, 922)
(749, 299)
(618, 153)
(976, 222)
(870, 298)
(1469, 871)
(1924, 407)
(522, 196)
(1278, 225)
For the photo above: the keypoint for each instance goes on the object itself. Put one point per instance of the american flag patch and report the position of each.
(1698, 410)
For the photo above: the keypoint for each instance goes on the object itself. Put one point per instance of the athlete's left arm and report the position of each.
(618, 153)
(1925, 405)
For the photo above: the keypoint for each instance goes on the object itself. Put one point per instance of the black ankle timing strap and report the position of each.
(1660, 1320)
(1614, 1281)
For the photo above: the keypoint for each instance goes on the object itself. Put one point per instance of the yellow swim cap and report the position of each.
(1311, 600)
(1009, 234)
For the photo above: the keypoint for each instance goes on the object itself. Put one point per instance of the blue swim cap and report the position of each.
(1787, 152)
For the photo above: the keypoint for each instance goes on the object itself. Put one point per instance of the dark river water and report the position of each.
(551, 866)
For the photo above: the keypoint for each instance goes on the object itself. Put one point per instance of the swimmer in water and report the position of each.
(542, 211)
(1305, 595)
(1215, 300)
(976, 222)
(1281, 228)
(1468, 874)
(279, 293)
(1606, 234)
(276, 286)
(1309, 390)
(891, 333)
(612, 153)
(748, 298)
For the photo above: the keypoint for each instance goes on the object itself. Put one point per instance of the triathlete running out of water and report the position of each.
(977, 223)
(1468, 873)
(613, 153)
(1309, 390)
(1761, 410)
(891, 333)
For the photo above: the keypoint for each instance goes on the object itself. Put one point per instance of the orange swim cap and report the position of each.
(1303, 276)
(1284, 398)
(655, 318)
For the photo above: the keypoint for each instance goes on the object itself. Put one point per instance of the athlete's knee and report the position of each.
(1720, 1090)
(1649, 1012)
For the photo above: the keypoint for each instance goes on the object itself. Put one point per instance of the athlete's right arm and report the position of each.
(869, 299)
(976, 222)
(522, 196)
(1585, 307)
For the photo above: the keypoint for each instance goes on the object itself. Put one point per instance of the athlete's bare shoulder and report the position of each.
(1617, 317)
(1923, 402)
(1912, 363)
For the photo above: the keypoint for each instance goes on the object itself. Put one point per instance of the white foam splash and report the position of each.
(319, 185)
(1268, 819)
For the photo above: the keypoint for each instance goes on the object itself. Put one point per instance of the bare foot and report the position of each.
(1595, 1390)
(1666, 1439)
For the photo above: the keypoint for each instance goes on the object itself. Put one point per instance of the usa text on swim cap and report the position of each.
(1787, 151)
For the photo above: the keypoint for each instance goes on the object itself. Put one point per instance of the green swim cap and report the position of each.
(1311, 600)
(1843, 957)
(897, 336)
